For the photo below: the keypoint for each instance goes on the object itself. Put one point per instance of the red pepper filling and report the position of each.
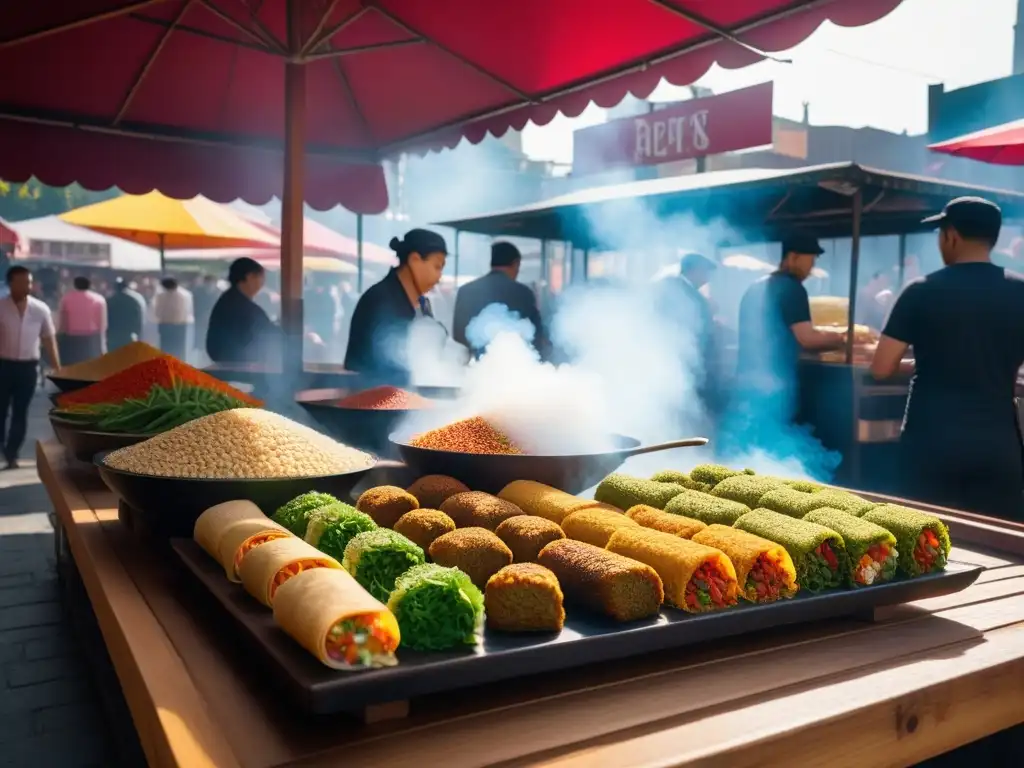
(928, 552)
(709, 588)
(825, 550)
(767, 580)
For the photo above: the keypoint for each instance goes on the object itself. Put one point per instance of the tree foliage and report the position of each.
(31, 199)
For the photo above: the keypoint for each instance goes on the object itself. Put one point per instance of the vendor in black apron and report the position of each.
(961, 443)
(378, 342)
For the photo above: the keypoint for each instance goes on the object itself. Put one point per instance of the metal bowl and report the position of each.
(169, 506)
(68, 385)
(83, 443)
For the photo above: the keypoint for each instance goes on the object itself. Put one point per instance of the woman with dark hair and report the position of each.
(239, 330)
(379, 335)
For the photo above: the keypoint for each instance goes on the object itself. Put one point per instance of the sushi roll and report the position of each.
(666, 522)
(524, 597)
(269, 566)
(386, 503)
(437, 608)
(870, 549)
(922, 540)
(479, 510)
(595, 526)
(706, 508)
(623, 492)
(295, 514)
(602, 581)
(229, 531)
(746, 489)
(431, 491)
(477, 552)
(818, 553)
(764, 569)
(696, 578)
(423, 526)
(376, 558)
(331, 528)
(713, 474)
(789, 501)
(680, 478)
(543, 501)
(527, 535)
(326, 612)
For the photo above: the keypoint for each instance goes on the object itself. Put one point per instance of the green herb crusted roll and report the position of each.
(623, 491)
(377, 558)
(923, 540)
(437, 608)
(295, 514)
(331, 528)
(680, 478)
(789, 501)
(713, 474)
(818, 553)
(746, 489)
(870, 549)
(706, 508)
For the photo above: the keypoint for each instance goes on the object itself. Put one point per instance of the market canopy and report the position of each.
(98, 80)
(8, 237)
(1001, 144)
(321, 240)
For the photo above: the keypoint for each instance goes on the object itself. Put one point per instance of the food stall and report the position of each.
(850, 412)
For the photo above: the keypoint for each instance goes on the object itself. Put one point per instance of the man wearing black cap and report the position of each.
(961, 442)
(498, 286)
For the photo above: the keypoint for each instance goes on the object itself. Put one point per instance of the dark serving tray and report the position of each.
(586, 638)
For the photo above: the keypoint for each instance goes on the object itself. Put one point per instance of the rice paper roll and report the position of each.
(871, 551)
(696, 578)
(922, 539)
(326, 612)
(269, 566)
(764, 569)
(706, 508)
(623, 491)
(211, 525)
(818, 553)
(437, 608)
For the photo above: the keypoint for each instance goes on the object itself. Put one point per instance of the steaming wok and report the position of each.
(492, 472)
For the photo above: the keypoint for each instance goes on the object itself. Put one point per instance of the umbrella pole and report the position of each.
(359, 254)
(163, 257)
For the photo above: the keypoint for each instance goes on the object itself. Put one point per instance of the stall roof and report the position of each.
(124, 254)
(756, 201)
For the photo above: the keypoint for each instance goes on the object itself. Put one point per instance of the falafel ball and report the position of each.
(475, 551)
(476, 508)
(434, 490)
(526, 536)
(422, 526)
(386, 503)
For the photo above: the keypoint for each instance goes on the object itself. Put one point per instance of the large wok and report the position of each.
(491, 472)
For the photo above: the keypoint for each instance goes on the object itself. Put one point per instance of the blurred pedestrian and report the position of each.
(82, 323)
(240, 331)
(172, 309)
(126, 312)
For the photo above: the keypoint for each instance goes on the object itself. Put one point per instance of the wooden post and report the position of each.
(858, 210)
(163, 257)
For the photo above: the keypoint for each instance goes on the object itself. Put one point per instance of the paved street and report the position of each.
(49, 710)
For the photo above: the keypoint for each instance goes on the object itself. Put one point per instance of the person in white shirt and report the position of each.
(173, 311)
(25, 326)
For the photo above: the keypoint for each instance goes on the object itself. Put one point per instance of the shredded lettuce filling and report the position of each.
(437, 608)
(820, 569)
(332, 528)
(377, 558)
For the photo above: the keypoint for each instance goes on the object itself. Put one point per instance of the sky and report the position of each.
(876, 76)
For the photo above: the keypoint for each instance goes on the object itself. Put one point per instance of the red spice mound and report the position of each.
(384, 399)
(135, 382)
(473, 435)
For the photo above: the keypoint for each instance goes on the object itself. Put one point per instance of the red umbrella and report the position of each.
(1002, 144)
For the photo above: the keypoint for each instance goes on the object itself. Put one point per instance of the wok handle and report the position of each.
(686, 442)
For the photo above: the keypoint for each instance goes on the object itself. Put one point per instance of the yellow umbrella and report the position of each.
(167, 224)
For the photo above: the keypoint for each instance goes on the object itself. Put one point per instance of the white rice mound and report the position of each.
(244, 443)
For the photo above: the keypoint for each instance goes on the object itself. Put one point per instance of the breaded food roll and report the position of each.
(624, 491)
(269, 566)
(696, 578)
(386, 503)
(764, 569)
(680, 478)
(524, 597)
(666, 522)
(543, 500)
(746, 489)
(527, 535)
(603, 581)
(870, 549)
(706, 508)
(431, 491)
(818, 553)
(423, 526)
(789, 501)
(922, 539)
(595, 526)
(713, 474)
(477, 509)
(477, 552)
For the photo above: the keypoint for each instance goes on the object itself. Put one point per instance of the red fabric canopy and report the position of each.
(1003, 145)
(88, 84)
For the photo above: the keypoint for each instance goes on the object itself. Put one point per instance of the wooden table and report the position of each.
(920, 680)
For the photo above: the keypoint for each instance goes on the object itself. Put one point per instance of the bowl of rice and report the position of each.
(245, 453)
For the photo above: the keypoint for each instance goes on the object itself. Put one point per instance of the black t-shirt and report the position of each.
(768, 310)
(495, 288)
(240, 331)
(966, 325)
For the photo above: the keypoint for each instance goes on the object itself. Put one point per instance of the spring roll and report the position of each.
(267, 567)
(331, 616)
(746, 489)
(796, 503)
(713, 474)
(870, 549)
(624, 491)
(666, 522)
(706, 508)
(543, 500)
(922, 540)
(210, 525)
(603, 581)
(764, 569)
(230, 530)
(595, 526)
(818, 553)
